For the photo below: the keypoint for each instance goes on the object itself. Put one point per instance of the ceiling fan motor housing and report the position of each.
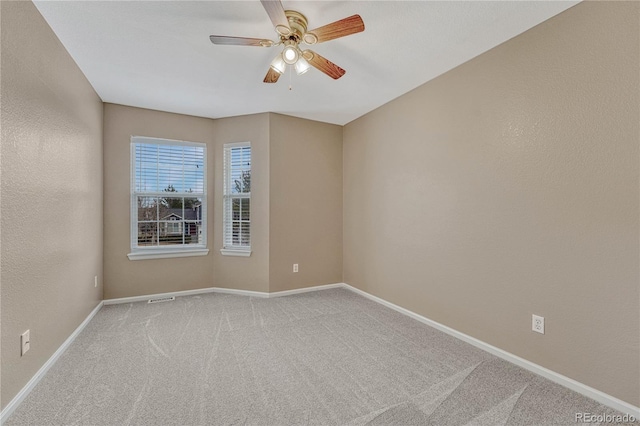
(297, 24)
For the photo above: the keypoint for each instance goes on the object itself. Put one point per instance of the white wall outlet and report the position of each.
(24, 342)
(295, 267)
(537, 324)
(95, 281)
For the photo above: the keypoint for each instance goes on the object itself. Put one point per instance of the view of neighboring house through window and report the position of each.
(168, 195)
(237, 197)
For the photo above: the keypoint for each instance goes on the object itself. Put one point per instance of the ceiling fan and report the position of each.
(291, 27)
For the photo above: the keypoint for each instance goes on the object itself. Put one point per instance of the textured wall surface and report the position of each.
(245, 273)
(305, 203)
(506, 187)
(51, 166)
(509, 186)
(124, 277)
(312, 165)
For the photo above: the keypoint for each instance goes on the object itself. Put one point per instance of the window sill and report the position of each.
(235, 252)
(165, 254)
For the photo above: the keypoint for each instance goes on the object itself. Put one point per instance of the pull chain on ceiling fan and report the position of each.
(291, 27)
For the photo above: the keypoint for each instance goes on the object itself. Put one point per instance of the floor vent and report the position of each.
(162, 299)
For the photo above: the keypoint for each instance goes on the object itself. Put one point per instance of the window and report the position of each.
(168, 198)
(237, 199)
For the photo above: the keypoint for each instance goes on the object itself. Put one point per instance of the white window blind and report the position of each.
(237, 196)
(168, 195)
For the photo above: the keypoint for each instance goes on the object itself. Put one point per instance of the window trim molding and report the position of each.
(143, 253)
(243, 251)
(235, 252)
(167, 253)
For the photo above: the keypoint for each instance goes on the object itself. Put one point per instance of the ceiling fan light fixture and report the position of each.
(278, 64)
(291, 27)
(290, 55)
(302, 66)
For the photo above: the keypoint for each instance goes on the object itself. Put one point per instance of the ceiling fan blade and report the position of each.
(240, 41)
(323, 64)
(276, 14)
(344, 27)
(272, 76)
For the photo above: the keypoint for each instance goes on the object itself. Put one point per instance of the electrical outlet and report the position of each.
(95, 281)
(295, 267)
(24, 343)
(537, 324)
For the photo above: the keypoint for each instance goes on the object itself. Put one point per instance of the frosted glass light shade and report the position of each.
(302, 66)
(290, 55)
(278, 64)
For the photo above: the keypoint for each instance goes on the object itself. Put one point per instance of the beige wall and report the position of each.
(305, 203)
(306, 229)
(244, 273)
(51, 166)
(506, 187)
(509, 186)
(124, 277)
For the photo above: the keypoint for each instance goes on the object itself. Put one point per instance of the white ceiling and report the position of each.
(157, 54)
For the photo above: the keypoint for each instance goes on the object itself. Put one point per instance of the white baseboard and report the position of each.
(10, 408)
(567, 382)
(261, 294)
(305, 290)
(146, 297)
(221, 290)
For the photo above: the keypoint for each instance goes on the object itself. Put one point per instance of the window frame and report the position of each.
(161, 252)
(233, 250)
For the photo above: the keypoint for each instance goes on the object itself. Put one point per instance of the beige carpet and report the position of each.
(329, 357)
